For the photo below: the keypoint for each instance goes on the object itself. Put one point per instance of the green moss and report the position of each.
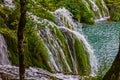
(53, 78)
(13, 19)
(80, 11)
(40, 11)
(82, 58)
(86, 14)
(64, 45)
(10, 17)
(90, 78)
(38, 52)
(2, 1)
(98, 2)
(2, 25)
(59, 35)
(74, 8)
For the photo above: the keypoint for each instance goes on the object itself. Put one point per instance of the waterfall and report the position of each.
(61, 40)
(64, 15)
(100, 10)
(104, 12)
(53, 44)
(3, 52)
(64, 18)
(56, 52)
(96, 10)
(88, 48)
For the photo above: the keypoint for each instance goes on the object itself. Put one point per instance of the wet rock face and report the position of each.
(3, 51)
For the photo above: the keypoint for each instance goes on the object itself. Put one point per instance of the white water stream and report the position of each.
(65, 16)
(88, 48)
(99, 14)
(3, 51)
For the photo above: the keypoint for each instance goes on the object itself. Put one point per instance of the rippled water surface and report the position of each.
(104, 38)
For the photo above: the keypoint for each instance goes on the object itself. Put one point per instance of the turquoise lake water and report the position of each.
(104, 38)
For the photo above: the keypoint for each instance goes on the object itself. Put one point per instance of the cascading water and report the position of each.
(62, 58)
(58, 60)
(104, 12)
(64, 15)
(3, 52)
(64, 18)
(96, 10)
(100, 11)
(93, 60)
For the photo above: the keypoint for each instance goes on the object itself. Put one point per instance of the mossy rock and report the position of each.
(83, 63)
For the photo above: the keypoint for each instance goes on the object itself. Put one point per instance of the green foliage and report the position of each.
(114, 9)
(74, 8)
(4, 12)
(98, 2)
(40, 11)
(13, 19)
(90, 78)
(85, 13)
(9, 17)
(77, 7)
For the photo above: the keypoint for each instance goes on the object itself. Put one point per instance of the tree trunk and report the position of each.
(114, 71)
(21, 27)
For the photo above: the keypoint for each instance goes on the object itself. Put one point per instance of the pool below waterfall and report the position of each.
(104, 38)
